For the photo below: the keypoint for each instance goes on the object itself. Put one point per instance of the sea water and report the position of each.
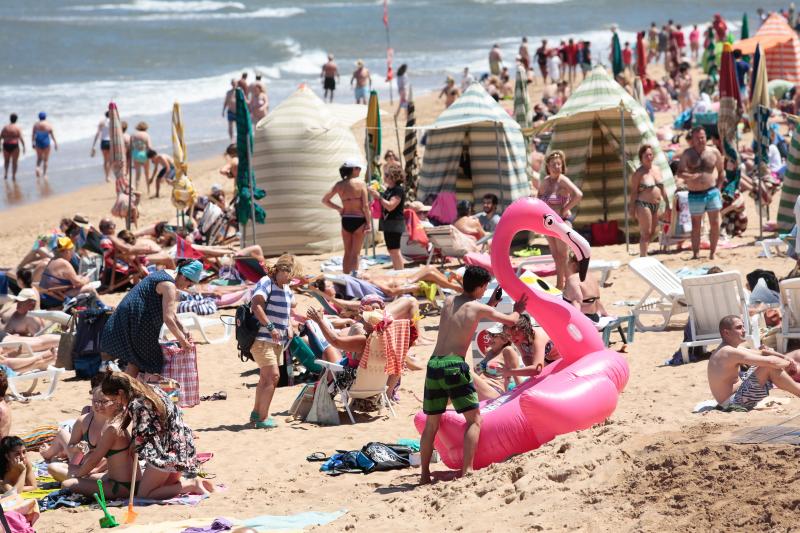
(69, 58)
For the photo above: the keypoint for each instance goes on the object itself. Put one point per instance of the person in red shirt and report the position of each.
(627, 56)
(680, 39)
(572, 59)
(720, 28)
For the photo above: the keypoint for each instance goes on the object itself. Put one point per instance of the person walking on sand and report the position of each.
(11, 137)
(768, 369)
(330, 76)
(647, 191)
(41, 135)
(702, 169)
(363, 82)
(259, 103)
(104, 135)
(229, 109)
(541, 60)
(524, 54)
(448, 374)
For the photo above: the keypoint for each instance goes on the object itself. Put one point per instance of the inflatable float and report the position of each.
(577, 391)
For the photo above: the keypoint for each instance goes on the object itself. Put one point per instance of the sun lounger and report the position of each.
(369, 382)
(447, 243)
(790, 312)
(774, 246)
(195, 322)
(710, 298)
(16, 384)
(664, 284)
(543, 265)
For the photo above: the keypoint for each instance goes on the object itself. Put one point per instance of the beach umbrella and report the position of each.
(372, 138)
(184, 194)
(759, 112)
(745, 31)
(246, 208)
(791, 185)
(641, 56)
(730, 112)
(410, 149)
(118, 165)
(616, 56)
(522, 113)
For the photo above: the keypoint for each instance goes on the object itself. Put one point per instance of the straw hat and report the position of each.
(359, 63)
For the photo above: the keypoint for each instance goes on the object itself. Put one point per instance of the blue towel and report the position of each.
(292, 522)
(355, 289)
(3, 284)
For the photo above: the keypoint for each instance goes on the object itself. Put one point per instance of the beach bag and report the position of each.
(246, 331)
(303, 402)
(323, 411)
(65, 346)
(605, 233)
(86, 347)
(181, 365)
(387, 457)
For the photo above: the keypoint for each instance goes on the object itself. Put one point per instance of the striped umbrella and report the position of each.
(522, 112)
(118, 166)
(372, 139)
(410, 149)
(759, 109)
(730, 107)
(638, 91)
(791, 185)
(616, 56)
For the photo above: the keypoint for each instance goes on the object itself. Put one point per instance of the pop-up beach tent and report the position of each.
(781, 45)
(588, 129)
(474, 148)
(298, 149)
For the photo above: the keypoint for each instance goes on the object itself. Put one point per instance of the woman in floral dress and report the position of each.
(160, 437)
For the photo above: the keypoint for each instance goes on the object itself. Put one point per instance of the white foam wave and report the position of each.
(160, 6)
(505, 2)
(266, 12)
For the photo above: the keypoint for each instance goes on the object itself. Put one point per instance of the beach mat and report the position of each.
(263, 523)
(767, 435)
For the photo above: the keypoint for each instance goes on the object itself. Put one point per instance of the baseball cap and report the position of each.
(352, 163)
(25, 295)
(496, 329)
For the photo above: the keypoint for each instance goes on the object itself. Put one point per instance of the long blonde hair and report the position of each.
(115, 382)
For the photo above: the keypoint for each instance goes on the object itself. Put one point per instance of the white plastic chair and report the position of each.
(790, 312)
(601, 266)
(369, 382)
(15, 384)
(662, 281)
(711, 298)
(194, 322)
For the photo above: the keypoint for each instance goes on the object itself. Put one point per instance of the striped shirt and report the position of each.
(277, 306)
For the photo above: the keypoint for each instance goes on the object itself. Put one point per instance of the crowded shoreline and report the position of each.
(627, 471)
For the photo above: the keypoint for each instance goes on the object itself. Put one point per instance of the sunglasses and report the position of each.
(102, 403)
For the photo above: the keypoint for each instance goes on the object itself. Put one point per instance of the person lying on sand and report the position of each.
(768, 369)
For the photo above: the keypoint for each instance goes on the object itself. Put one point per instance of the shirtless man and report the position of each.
(329, 75)
(163, 170)
(525, 54)
(229, 108)
(466, 223)
(41, 136)
(18, 322)
(460, 317)
(363, 82)
(495, 60)
(242, 83)
(702, 169)
(768, 369)
(11, 136)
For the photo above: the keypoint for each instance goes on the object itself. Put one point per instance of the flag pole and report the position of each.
(388, 48)
(625, 177)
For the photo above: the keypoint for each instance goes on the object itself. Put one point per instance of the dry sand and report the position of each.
(653, 466)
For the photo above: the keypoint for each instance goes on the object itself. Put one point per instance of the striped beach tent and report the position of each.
(297, 151)
(781, 46)
(791, 185)
(588, 129)
(474, 148)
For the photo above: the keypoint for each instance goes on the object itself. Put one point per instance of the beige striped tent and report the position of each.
(298, 149)
(588, 130)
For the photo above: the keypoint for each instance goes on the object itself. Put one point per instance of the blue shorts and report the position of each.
(362, 92)
(231, 116)
(706, 201)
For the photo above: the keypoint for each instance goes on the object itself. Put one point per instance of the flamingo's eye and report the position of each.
(549, 220)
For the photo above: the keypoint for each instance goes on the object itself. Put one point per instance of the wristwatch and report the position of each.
(270, 326)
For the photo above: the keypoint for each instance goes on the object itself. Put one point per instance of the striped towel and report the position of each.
(394, 338)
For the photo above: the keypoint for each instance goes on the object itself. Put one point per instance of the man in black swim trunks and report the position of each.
(329, 75)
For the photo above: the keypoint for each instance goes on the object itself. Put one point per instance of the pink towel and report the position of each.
(444, 208)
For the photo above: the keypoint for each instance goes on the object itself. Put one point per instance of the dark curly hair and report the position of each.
(6, 445)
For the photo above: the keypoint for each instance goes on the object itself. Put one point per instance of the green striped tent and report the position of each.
(480, 128)
(297, 151)
(791, 185)
(588, 130)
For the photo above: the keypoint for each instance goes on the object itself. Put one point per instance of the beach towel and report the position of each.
(394, 338)
(195, 303)
(414, 228)
(443, 209)
(185, 250)
(181, 365)
(355, 289)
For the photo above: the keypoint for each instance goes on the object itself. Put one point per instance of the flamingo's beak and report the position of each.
(579, 246)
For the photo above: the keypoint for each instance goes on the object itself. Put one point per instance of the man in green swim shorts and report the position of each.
(448, 376)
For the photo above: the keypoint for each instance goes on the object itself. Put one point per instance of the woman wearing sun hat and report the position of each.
(131, 333)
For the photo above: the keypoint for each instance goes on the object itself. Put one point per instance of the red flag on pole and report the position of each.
(386, 13)
(389, 58)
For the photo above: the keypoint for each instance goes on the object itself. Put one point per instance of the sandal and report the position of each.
(317, 457)
(269, 423)
(221, 395)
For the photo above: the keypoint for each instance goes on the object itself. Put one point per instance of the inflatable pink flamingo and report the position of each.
(575, 392)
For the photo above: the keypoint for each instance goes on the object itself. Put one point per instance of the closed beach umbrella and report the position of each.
(246, 208)
(410, 149)
(522, 112)
(179, 154)
(745, 31)
(791, 185)
(759, 111)
(641, 56)
(118, 165)
(730, 112)
(373, 136)
(616, 56)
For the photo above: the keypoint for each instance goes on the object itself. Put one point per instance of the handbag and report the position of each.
(65, 346)
(605, 233)
(323, 411)
(303, 402)
(181, 365)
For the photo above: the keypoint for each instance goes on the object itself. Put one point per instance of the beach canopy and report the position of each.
(791, 185)
(298, 150)
(781, 46)
(474, 148)
(588, 129)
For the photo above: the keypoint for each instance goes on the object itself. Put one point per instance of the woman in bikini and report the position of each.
(140, 144)
(112, 446)
(647, 191)
(558, 192)
(11, 136)
(354, 212)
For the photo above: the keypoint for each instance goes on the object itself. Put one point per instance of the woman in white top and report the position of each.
(103, 133)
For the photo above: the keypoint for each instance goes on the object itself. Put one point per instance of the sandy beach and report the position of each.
(653, 466)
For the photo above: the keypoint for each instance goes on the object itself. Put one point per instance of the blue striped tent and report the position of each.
(478, 127)
(588, 129)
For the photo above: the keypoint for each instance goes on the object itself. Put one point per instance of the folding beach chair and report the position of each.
(710, 298)
(664, 284)
(195, 322)
(790, 312)
(250, 268)
(446, 243)
(16, 383)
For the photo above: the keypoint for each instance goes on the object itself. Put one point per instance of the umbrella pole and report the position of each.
(130, 201)
(397, 135)
(252, 186)
(758, 185)
(497, 149)
(625, 179)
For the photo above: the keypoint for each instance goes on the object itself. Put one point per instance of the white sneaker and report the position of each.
(109, 365)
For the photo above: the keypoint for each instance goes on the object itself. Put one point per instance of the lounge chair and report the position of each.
(193, 321)
(543, 265)
(446, 243)
(369, 382)
(16, 383)
(662, 281)
(326, 307)
(250, 268)
(710, 298)
(790, 312)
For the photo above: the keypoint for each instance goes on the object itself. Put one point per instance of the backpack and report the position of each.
(86, 347)
(246, 331)
(387, 457)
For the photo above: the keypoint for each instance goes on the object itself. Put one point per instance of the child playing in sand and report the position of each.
(448, 376)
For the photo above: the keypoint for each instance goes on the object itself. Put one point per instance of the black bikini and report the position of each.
(352, 223)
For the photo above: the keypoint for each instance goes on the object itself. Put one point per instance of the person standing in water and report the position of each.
(104, 134)
(11, 136)
(329, 75)
(229, 108)
(40, 138)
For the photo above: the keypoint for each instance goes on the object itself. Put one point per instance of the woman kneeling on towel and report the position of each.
(159, 437)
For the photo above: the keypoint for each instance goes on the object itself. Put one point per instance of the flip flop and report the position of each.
(221, 395)
(269, 423)
(317, 457)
